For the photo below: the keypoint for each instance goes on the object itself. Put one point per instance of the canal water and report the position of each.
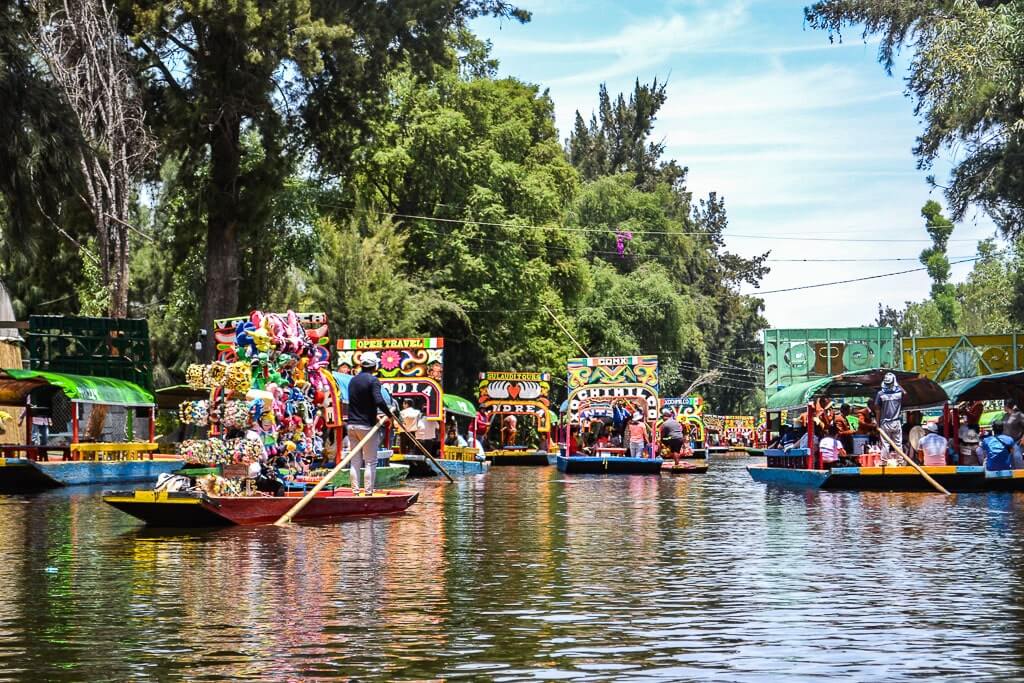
(528, 574)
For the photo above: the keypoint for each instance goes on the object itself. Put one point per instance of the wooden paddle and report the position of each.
(287, 517)
(892, 444)
(401, 428)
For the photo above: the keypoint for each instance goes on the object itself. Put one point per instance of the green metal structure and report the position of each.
(795, 356)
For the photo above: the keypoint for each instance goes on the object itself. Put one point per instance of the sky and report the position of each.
(803, 138)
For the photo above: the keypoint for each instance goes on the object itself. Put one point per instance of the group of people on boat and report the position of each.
(883, 428)
(626, 431)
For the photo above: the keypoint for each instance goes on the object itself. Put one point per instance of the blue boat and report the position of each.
(68, 401)
(588, 464)
(600, 389)
(799, 468)
(18, 475)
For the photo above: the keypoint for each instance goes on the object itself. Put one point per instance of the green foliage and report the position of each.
(937, 262)
(984, 303)
(359, 283)
(966, 76)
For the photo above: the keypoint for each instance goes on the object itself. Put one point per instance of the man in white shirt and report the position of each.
(933, 445)
(427, 435)
(412, 419)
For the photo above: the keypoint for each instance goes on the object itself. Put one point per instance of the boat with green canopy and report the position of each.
(79, 430)
(802, 467)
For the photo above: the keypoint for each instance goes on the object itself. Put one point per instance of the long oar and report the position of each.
(892, 444)
(287, 517)
(401, 428)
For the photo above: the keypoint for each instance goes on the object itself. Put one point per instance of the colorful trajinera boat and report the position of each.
(86, 421)
(413, 368)
(688, 412)
(273, 402)
(506, 398)
(802, 468)
(189, 509)
(595, 386)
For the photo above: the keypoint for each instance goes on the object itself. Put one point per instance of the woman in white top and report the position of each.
(831, 449)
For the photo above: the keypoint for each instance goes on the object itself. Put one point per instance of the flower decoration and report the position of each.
(390, 359)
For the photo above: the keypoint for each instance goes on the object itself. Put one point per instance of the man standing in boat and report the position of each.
(365, 400)
(888, 406)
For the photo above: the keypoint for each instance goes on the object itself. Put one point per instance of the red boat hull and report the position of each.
(185, 510)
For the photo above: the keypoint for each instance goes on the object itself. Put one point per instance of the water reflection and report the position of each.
(527, 574)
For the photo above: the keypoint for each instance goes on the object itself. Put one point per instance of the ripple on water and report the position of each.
(527, 574)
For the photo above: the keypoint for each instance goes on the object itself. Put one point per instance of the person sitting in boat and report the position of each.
(932, 447)
(831, 449)
(639, 436)
(969, 441)
(999, 451)
(844, 430)
(972, 411)
(267, 478)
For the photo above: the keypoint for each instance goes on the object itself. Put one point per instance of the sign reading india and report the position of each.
(409, 367)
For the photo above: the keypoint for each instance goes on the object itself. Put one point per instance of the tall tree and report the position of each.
(936, 261)
(966, 75)
(302, 75)
(87, 58)
(618, 137)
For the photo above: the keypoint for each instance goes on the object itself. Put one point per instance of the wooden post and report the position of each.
(74, 423)
(810, 435)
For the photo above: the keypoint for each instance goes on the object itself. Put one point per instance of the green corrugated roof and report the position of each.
(796, 395)
(459, 406)
(80, 388)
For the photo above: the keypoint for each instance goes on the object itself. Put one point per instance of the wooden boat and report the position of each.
(685, 466)
(754, 452)
(195, 509)
(801, 469)
(33, 467)
(26, 474)
(518, 457)
(520, 394)
(616, 464)
(956, 479)
(420, 466)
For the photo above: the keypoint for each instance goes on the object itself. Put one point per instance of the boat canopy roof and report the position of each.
(169, 398)
(1000, 386)
(16, 385)
(921, 391)
(459, 406)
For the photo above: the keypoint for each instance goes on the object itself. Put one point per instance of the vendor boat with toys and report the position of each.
(506, 401)
(273, 403)
(802, 467)
(611, 398)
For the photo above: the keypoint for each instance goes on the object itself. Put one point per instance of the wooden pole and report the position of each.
(287, 517)
(892, 444)
(412, 437)
(567, 332)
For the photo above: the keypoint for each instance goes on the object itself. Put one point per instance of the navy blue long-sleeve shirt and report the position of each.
(364, 400)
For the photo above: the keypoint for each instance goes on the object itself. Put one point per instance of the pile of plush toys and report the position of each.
(272, 401)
